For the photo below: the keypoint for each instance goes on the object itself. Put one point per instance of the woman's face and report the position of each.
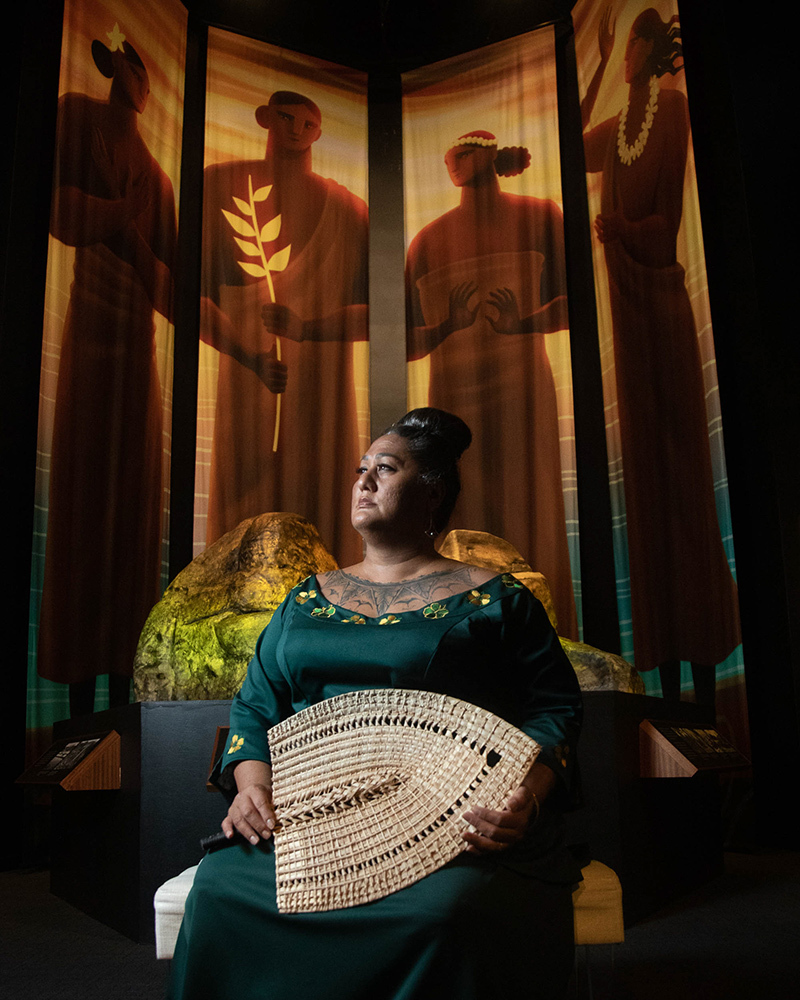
(388, 493)
(468, 164)
(637, 58)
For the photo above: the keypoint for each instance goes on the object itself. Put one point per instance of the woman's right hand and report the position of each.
(251, 813)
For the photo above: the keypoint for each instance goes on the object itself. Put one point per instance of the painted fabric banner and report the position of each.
(285, 291)
(673, 541)
(105, 397)
(486, 294)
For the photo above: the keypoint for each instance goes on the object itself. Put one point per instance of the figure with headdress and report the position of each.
(114, 204)
(485, 282)
(684, 601)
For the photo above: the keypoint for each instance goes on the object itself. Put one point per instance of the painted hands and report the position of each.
(507, 320)
(609, 227)
(605, 34)
(281, 321)
(461, 315)
(273, 373)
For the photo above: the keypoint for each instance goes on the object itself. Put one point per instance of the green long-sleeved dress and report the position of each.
(482, 924)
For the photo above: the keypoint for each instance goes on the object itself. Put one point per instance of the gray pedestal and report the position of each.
(662, 836)
(112, 849)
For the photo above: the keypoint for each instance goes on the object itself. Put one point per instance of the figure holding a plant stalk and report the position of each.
(284, 275)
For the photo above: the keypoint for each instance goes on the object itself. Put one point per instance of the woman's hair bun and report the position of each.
(427, 422)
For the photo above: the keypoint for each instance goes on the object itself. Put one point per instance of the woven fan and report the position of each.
(370, 787)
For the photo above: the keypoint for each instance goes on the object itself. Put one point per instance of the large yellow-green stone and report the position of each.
(492, 552)
(199, 638)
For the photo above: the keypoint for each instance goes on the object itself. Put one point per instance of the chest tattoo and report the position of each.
(373, 599)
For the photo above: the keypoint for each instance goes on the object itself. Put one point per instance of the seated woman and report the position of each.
(498, 917)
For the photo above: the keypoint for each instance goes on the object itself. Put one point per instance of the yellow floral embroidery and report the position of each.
(324, 612)
(512, 581)
(478, 599)
(305, 595)
(435, 610)
(237, 742)
(357, 619)
(389, 620)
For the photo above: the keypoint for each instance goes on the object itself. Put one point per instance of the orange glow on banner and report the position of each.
(106, 377)
(673, 542)
(486, 294)
(282, 401)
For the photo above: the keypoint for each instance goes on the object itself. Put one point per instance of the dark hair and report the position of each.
(437, 440)
(666, 39)
(289, 97)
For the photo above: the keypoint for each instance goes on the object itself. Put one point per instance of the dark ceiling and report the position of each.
(380, 35)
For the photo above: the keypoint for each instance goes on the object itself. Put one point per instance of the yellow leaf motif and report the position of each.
(249, 248)
(304, 595)
(271, 230)
(389, 620)
(255, 269)
(249, 228)
(242, 228)
(237, 742)
(266, 233)
(280, 259)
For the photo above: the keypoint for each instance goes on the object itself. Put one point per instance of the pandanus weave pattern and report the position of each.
(369, 789)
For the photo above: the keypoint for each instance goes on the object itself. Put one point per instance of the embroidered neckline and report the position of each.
(321, 608)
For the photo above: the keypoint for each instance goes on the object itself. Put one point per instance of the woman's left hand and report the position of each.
(499, 829)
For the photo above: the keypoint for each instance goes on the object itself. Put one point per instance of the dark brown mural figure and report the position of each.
(115, 205)
(314, 299)
(684, 599)
(484, 283)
